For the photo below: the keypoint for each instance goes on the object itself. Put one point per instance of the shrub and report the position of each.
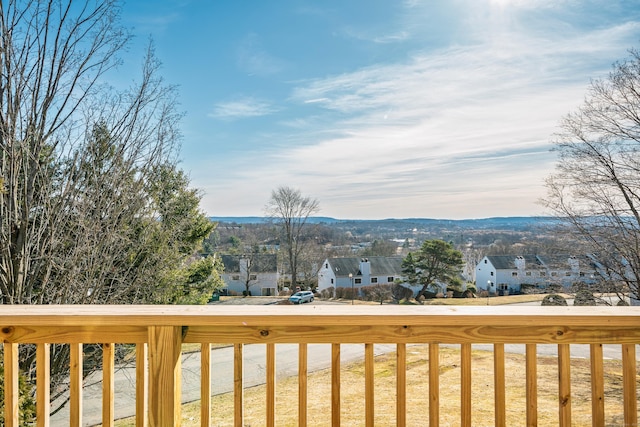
(327, 293)
(380, 292)
(584, 297)
(26, 403)
(399, 292)
(554, 299)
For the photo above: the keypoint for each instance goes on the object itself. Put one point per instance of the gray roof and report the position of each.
(508, 262)
(380, 266)
(260, 263)
(532, 262)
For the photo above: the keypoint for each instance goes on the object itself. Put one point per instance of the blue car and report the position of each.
(302, 296)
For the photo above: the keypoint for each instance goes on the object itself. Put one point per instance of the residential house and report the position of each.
(356, 272)
(500, 274)
(257, 271)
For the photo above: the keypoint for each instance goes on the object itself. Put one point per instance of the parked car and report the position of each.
(301, 296)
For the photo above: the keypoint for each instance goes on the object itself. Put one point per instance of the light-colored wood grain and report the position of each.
(531, 379)
(335, 385)
(369, 390)
(331, 315)
(499, 385)
(314, 331)
(75, 386)
(238, 386)
(142, 385)
(162, 328)
(43, 382)
(401, 385)
(108, 384)
(465, 387)
(271, 385)
(434, 384)
(11, 391)
(164, 375)
(205, 385)
(597, 385)
(564, 385)
(303, 353)
(629, 373)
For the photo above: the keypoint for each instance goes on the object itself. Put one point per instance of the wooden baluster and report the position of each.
(75, 386)
(205, 385)
(465, 378)
(499, 385)
(108, 365)
(43, 381)
(597, 386)
(335, 385)
(238, 386)
(532, 384)
(629, 385)
(434, 385)
(401, 385)
(165, 346)
(271, 385)
(302, 385)
(11, 389)
(564, 384)
(142, 384)
(369, 389)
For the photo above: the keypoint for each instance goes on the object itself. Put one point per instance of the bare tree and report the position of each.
(92, 206)
(595, 190)
(291, 210)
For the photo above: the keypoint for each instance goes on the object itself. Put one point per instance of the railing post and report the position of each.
(164, 375)
(11, 392)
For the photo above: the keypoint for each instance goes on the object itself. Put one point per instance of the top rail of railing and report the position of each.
(325, 323)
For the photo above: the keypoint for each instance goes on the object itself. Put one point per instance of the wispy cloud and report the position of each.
(255, 60)
(242, 108)
(457, 130)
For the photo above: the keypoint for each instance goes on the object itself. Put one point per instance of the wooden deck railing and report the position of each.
(159, 332)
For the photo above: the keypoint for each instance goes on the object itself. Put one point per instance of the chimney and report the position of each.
(519, 262)
(365, 269)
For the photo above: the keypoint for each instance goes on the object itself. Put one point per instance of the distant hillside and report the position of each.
(403, 223)
(260, 220)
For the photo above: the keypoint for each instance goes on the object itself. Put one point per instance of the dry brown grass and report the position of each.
(352, 393)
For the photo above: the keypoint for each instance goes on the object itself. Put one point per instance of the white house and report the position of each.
(500, 273)
(258, 271)
(357, 272)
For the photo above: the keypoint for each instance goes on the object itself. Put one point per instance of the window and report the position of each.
(374, 280)
(390, 279)
(528, 273)
(326, 266)
(492, 273)
(514, 274)
(332, 281)
(253, 277)
(485, 261)
(554, 273)
(543, 273)
(567, 273)
(358, 281)
(235, 277)
(582, 274)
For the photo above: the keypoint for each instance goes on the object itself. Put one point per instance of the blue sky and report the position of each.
(379, 109)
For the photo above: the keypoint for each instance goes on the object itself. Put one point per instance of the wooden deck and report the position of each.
(159, 332)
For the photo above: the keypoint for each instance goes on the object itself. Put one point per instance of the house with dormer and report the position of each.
(357, 272)
(500, 274)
